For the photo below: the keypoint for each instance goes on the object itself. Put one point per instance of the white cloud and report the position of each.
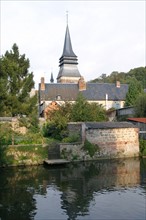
(106, 35)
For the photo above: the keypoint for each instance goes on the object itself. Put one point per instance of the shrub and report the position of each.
(142, 147)
(71, 138)
(91, 148)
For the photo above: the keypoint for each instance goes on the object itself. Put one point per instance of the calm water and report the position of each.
(93, 190)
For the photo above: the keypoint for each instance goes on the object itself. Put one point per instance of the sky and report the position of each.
(106, 36)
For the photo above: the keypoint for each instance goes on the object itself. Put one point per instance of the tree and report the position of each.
(135, 89)
(85, 111)
(138, 73)
(81, 111)
(15, 84)
(56, 125)
(140, 106)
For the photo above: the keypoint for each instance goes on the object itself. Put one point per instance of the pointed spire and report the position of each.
(67, 50)
(51, 79)
(68, 62)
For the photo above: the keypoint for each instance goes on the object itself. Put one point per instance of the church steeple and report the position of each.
(51, 79)
(68, 72)
(67, 50)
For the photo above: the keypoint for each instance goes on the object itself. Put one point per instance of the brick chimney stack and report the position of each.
(42, 83)
(82, 84)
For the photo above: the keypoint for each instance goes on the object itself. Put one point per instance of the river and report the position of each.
(108, 189)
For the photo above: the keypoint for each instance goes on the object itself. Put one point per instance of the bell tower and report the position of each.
(68, 72)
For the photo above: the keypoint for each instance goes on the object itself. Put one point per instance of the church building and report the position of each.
(70, 83)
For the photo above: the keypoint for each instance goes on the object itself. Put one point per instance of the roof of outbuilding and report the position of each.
(93, 92)
(106, 125)
(142, 120)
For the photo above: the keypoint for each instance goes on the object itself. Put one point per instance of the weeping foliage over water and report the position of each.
(110, 189)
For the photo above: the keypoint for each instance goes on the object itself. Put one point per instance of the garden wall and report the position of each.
(115, 139)
(103, 140)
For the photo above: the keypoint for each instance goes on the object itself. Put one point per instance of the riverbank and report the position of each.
(34, 155)
(23, 155)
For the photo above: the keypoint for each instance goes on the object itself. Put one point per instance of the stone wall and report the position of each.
(115, 139)
(75, 128)
(110, 139)
(115, 142)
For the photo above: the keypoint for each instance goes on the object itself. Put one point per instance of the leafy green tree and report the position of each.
(56, 127)
(140, 74)
(135, 89)
(85, 111)
(15, 84)
(140, 106)
(80, 109)
(137, 73)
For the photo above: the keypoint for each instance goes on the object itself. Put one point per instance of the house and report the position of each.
(70, 83)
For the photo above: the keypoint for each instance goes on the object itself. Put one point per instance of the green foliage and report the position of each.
(71, 138)
(28, 138)
(138, 73)
(40, 151)
(142, 147)
(5, 134)
(90, 148)
(140, 106)
(15, 84)
(85, 111)
(3, 159)
(135, 89)
(55, 130)
(81, 110)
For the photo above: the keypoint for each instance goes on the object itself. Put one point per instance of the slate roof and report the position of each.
(98, 91)
(68, 60)
(67, 91)
(106, 125)
(93, 92)
(67, 50)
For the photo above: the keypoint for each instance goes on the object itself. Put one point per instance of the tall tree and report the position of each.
(135, 89)
(140, 106)
(15, 84)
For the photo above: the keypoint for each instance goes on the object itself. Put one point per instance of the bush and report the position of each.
(5, 134)
(71, 138)
(142, 147)
(52, 130)
(91, 148)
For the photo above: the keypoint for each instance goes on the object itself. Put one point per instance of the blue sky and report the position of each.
(106, 35)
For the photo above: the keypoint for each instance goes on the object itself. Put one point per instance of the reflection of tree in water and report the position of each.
(17, 201)
(77, 191)
(17, 188)
(77, 182)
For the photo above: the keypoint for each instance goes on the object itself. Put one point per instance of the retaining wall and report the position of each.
(111, 139)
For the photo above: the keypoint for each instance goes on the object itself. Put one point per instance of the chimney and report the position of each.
(42, 83)
(82, 84)
(118, 84)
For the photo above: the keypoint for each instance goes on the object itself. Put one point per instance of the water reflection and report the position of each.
(71, 192)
